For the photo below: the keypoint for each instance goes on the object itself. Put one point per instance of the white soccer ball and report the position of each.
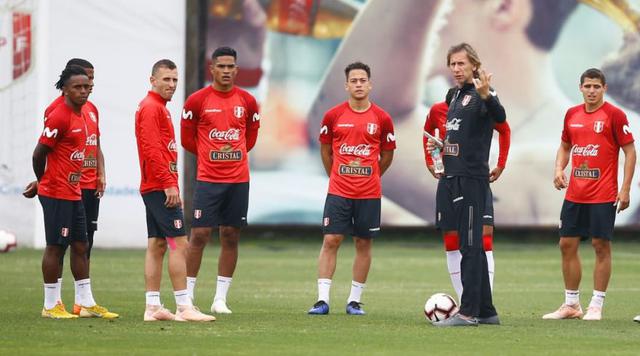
(8, 241)
(440, 306)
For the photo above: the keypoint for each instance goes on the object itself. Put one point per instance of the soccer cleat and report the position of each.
(355, 308)
(637, 319)
(158, 314)
(565, 312)
(593, 313)
(320, 308)
(456, 320)
(57, 312)
(492, 320)
(76, 309)
(192, 313)
(97, 311)
(219, 306)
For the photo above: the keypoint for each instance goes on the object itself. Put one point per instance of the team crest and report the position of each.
(372, 128)
(466, 100)
(93, 117)
(598, 126)
(64, 232)
(197, 213)
(238, 111)
(325, 222)
(177, 223)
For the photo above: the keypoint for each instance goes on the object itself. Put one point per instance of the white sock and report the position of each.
(83, 288)
(50, 295)
(491, 267)
(597, 300)
(153, 298)
(571, 297)
(59, 290)
(453, 265)
(324, 286)
(356, 291)
(191, 286)
(182, 298)
(222, 288)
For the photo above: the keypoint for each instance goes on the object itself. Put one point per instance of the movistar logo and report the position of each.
(324, 130)
(50, 133)
(187, 115)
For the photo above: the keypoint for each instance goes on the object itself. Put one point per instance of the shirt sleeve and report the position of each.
(504, 142)
(55, 127)
(326, 129)
(253, 122)
(152, 147)
(388, 138)
(189, 123)
(566, 137)
(428, 127)
(621, 131)
(495, 110)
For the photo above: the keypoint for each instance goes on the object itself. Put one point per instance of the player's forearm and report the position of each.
(386, 157)
(562, 157)
(100, 158)
(629, 167)
(188, 139)
(251, 138)
(39, 160)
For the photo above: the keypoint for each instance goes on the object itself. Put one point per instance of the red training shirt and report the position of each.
(220, 128)
(357, 139)
(157, 148)
(596, 139)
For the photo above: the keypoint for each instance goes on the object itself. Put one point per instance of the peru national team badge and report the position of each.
(598, 126)
(177, 223)
(372, 128)
(197, 213)
(466, 100)
(325, 222)
(64, 232)
(238, 111)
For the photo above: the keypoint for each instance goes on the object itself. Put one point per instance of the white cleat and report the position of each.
(191, 313)
(219, 306)
(593, 313)
(565, 312)
(158, 314)
(637, 319)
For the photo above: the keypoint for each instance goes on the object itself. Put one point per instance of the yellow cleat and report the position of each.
(76, 309)
(97, 311)
(57, 312)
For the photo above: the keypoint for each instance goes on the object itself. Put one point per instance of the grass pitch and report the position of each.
(275, 284)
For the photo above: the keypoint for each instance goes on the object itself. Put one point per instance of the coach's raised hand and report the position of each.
(482, 84)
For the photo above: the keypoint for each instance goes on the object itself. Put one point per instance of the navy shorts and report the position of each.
(445, 222)
(64, 220)
(587, 220)
(162, 221)
(216, 204)
(91, 205)
(356, 217)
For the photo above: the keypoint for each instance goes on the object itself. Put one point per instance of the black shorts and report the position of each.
(64, 220)
(587, 220)
(460, 206)
(487, 214)
(162, 221)
(356, 217)
(216, 204)
(91, 205)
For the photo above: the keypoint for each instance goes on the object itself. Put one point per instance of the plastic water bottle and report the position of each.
(438, 166)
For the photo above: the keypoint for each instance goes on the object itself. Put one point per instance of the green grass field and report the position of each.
(275, 284)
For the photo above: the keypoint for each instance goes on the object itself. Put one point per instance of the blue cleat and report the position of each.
(355, 308)
(320, 308)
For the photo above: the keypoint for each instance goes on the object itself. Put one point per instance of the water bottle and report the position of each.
(438, 166)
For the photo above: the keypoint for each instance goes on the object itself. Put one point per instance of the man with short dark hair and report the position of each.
(159, 188)
(220, 126)
(593, 135)
(462, 192)
(357, 143)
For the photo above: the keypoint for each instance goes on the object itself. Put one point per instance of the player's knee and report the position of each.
(199, 238)
(229, 232)
(451, 241)
(568, 246)
(331, 242)
(363, 245)
(601, 247)
(55, 251)
(79, 248)
(229, 242)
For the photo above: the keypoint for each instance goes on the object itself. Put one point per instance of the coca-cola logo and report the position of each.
(77, 156)
(92, 140)
(589, 150)
(357, 150)
(228, 135)
(172, 146)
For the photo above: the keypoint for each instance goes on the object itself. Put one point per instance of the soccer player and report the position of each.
(93, 180)
(357, 143)
(220, 126)
(158, 156)
(593, 135)
(463, 191)
(57, 164)
(436, 120)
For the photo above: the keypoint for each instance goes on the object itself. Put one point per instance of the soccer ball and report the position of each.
(440, 306)
(8, 241)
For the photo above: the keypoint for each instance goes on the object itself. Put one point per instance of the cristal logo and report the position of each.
(357, 150)
(228, 135)
(77, 156)
(589, 150)
(92, 140)
(172, 146)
